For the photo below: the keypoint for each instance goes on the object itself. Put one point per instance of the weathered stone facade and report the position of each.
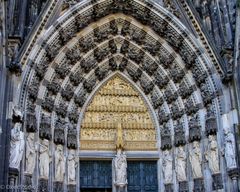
(169, 51)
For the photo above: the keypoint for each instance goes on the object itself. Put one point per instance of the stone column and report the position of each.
(234, 174)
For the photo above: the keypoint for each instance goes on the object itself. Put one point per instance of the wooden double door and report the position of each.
(96, 176)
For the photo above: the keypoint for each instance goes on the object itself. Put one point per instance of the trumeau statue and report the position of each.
(212, 155)
(59, 163)
(181, 164)
(229, 150)
(16, 146)
(30, 154)
(44, 159)
(71, 167)
(120, 163)
(167, 166)
(196, 160)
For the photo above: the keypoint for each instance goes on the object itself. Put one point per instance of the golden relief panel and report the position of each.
(117, 114)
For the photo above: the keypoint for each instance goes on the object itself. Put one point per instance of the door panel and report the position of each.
(142, 176)
(95, 175)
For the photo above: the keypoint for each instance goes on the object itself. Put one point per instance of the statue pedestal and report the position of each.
(121, 187)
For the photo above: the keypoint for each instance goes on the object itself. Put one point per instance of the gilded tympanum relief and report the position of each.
(117, 109)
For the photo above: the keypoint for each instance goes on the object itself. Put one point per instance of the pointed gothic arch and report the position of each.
(179, 79)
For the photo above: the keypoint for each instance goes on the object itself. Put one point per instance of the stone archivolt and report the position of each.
(117, 103)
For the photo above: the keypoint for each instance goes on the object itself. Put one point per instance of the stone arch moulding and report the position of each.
(148, 46)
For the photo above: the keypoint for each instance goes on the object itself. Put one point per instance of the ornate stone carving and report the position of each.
(73, 55)
(31, 149)
(149, 67)
(73, 116)
(229, 150)
(89, 85)
(165, 60)
(184, 90)
(62, 70)
(187, 57)
(161, 81)
(166, 141)
(75, 78)
(153, 49)
(100, 53)
(66, 35)
(59, 136)
(194, 130)
(176, 112)
(147, 85)
(117, 103)
(72, 137)
(135, 55)
(120, 165)
(88, 65)
(80, 99)
(72, 164)
(16, 146)
(112, 46)
(33, 89)
(31, 120)
(206, 94)
(181, 164)
(59, 164)
(169, 188)
(190, 107)
(68, 92)
(113, 27)
(211, 155)
(52, 51)
(48, 104)
(58, 186)
(211, 123)
(167, 167)
(170, 96)
(42, 185)
(156, 100)
(199, 75)
(62, 109)
(135, 74)
(101, 73)
(170, 6)
(183, 186)
(44, 159)
(217, 181)
(100, 35)
(123, 64)
(86, 44)
(54, 86)
(112, 64)
(163, 116)
(196, 160)
(71, 188)
(41, 69)
(45, 127)
(176, 74)
(138, 36)
(179, 134)
(199, 185)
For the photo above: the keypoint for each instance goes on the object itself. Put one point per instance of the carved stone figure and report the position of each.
(181, 164)
(229, 150)
(16, 146)
(30, 154)
(212, 155)
(120, 163)
(59, 163)
(44, 159)
(167, 166)
(71, 167)
(195, 160)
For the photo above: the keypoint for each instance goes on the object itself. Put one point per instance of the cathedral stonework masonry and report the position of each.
(119, 95)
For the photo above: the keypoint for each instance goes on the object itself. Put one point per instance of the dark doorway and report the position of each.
(142, 176)
(96, 190)
(96, 176)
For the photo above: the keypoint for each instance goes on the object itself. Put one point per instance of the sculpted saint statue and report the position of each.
(212, 155)
(16, 146)
(181, 164)
(196, 160)
(230, 149)
(30, 154)
(44, 159)
(120, 163)
(167, 166)
(71, 167)
(59, 163)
